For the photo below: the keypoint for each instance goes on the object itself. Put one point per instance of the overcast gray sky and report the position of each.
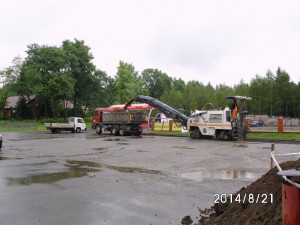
(210, 41)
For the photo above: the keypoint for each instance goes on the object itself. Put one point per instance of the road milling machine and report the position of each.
(215, 123)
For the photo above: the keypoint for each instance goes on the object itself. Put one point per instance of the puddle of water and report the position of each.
(141, 151)
(266, 148)
(77, 163)
(133, 170)
(40, 164)
(5, 158)
(220, 174)
(99, 148)
(112, 139)
(182, 147)
(75, 169)
(240, 146)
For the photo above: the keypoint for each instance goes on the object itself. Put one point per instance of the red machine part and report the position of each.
(290, 205)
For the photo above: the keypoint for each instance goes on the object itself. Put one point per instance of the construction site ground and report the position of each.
(85, 178)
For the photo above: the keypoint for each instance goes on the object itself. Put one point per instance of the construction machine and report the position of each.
(205, 123)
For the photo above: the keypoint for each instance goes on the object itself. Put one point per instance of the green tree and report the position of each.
(106, 90)
(257, 93)
(8, 79)
(241, 88)
(156, 82)
(82, 70)
(294, 100)
(297, 96)
(60, 88)
(178, 84)
(194, 94)
(283, 92)
(269, 92)
(223, 90)
(42, 64)
(175, 99)
(29, 84)
(128, 83)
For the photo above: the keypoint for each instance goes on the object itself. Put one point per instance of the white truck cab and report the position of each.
(78, 122)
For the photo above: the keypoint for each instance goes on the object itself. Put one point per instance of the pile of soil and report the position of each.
(235, 213)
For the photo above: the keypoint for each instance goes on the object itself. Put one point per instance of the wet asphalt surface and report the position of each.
(85, 178)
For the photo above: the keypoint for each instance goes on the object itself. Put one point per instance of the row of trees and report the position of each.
(55, 76)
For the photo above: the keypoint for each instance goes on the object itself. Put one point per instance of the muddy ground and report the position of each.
(263, 207)
(89, 179)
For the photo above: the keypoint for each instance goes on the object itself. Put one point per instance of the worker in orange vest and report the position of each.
(234, 110)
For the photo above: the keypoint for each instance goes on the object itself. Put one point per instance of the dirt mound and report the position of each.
(258, 204)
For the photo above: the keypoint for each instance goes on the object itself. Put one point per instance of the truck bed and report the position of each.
(59, 125)
(125, 117)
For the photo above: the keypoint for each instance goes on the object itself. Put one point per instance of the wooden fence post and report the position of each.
(280, 125)
(170, 125)
(272, 151)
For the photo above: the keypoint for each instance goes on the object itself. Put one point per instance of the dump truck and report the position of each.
(120, 122)
(204, 123)
(75, 124)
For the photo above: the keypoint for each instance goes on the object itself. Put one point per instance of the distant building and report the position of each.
(11, 104)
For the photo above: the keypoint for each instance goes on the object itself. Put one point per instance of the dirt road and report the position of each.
(89, 179)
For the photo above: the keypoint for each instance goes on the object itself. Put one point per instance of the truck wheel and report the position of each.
(114, 130)
(196, 134)
(53, 130)
(98, 129)
(78, 130)
(122, 131)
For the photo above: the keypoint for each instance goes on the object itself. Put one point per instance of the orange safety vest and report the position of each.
(234, 112)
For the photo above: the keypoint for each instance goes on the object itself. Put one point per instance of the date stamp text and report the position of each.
(244, 198)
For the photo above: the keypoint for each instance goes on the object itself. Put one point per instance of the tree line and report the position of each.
(54, 76)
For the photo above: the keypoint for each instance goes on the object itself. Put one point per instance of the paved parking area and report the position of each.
(90, 179)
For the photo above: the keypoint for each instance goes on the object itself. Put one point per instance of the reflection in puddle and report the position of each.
(112, 139)
(75, 169)
(5, 158)
(182, 147)
(122, 143)
(133, 170)
(217, 174)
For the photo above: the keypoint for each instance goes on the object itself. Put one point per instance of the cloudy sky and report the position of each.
(216, 41)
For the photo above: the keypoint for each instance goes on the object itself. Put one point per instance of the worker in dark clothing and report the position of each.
(234, 110)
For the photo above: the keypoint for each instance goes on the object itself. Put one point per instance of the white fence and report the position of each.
(273, 159)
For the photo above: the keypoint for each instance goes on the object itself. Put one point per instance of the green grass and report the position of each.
(249, 135)
(33, 125)
(283, 136)
(174, 133)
